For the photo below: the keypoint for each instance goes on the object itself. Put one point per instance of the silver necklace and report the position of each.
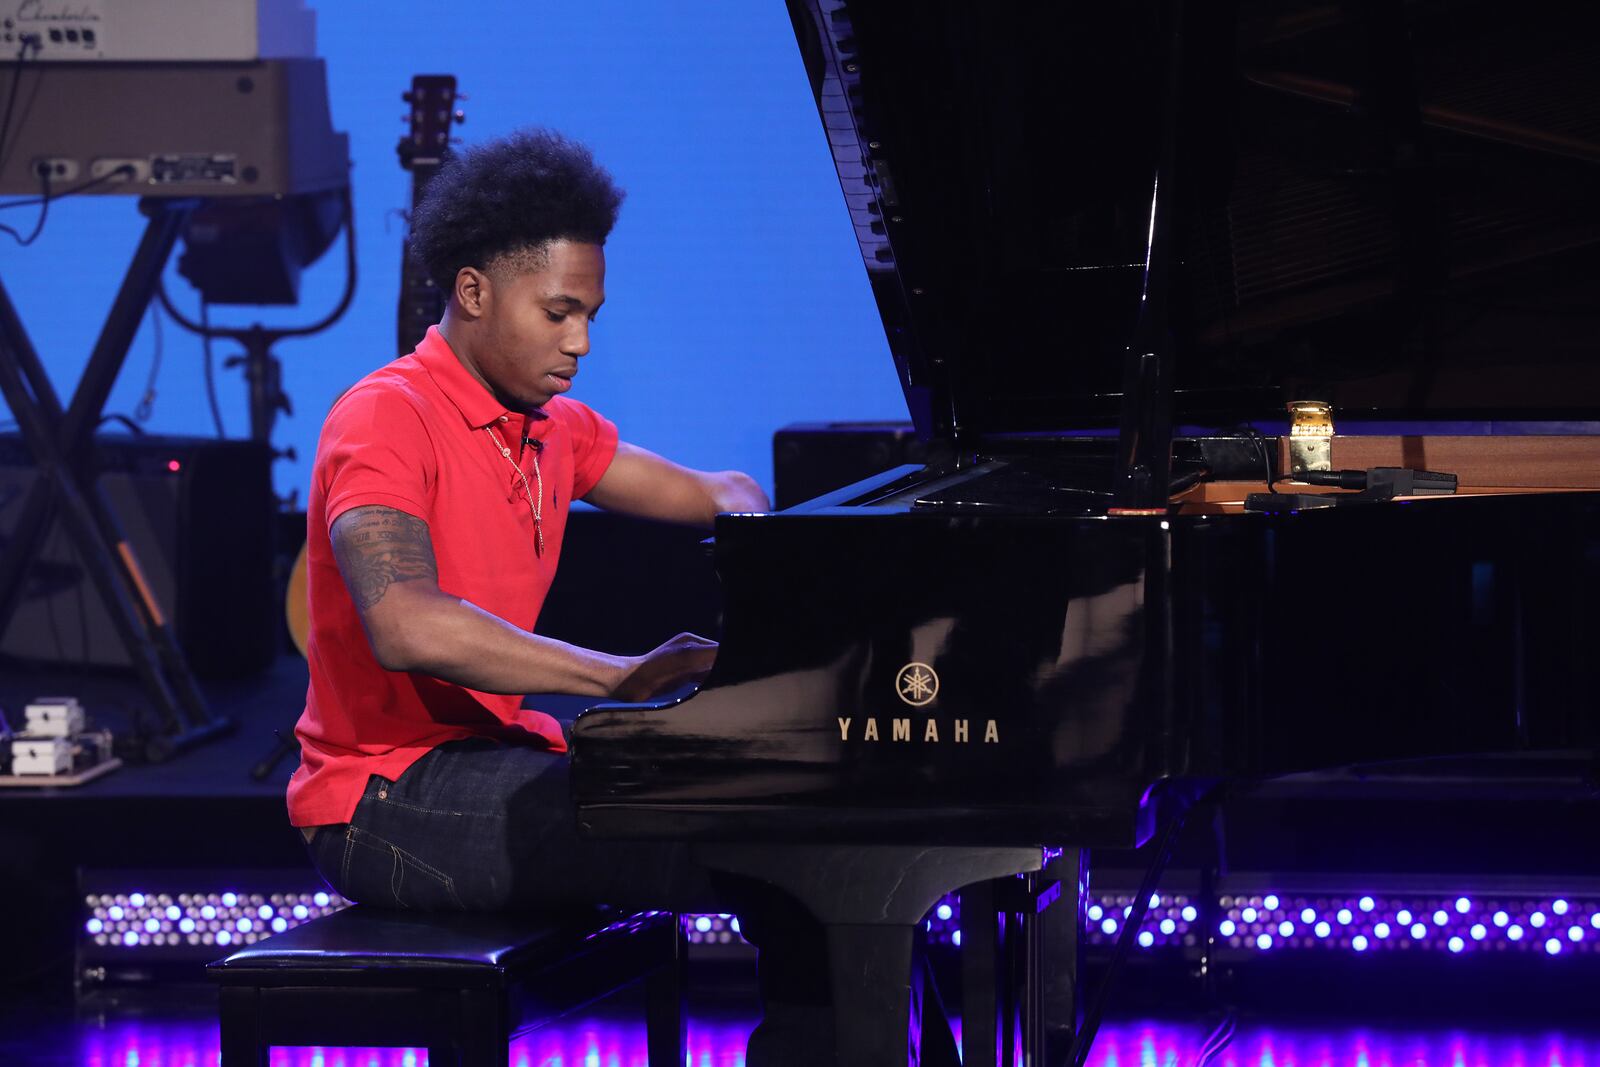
(535, 501)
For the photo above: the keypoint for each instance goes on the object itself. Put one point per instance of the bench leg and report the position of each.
(665, 1016)
(241, 1039)
(483, 1035)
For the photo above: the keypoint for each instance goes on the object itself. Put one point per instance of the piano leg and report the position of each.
(1020, 947)
(877, 1017)
(982, 1017)
(1054, 952)
(870, 900)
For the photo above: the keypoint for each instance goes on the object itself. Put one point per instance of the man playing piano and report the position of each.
(438, 504)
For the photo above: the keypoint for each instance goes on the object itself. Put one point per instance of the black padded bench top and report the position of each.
(460, 986)
(368, 940)
(362, 938)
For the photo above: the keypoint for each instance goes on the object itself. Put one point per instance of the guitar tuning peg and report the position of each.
(406, 96)
(460, 116)
(463, 96)
(455, 140)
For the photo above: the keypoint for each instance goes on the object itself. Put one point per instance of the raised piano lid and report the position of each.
(1389, 206)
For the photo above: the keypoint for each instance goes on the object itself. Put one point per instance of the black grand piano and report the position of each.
(1112, 245)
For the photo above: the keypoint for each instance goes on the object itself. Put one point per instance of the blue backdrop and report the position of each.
(737, 301)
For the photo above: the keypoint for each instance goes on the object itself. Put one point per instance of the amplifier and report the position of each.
(87, 31)
(198, 514)
(812, 458)
(191, 129)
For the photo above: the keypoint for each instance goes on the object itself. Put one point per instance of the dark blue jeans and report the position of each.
(481, 826)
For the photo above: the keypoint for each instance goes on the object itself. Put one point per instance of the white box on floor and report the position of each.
(54, 717)
(41, 755)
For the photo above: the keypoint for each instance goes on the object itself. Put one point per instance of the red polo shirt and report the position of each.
(415, 436)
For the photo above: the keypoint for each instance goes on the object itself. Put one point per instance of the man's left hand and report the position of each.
(737, 491)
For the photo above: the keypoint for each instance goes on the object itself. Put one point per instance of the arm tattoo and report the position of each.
(378, 546)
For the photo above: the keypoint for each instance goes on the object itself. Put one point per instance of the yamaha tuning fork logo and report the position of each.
(917, 684)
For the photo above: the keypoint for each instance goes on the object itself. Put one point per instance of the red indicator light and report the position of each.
(174, 466)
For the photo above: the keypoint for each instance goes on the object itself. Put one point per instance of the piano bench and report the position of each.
(460, 986)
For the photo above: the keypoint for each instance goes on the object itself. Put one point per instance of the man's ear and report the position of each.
(472, 291)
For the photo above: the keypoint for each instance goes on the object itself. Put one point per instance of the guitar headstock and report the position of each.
(423, 150)
(433, 112)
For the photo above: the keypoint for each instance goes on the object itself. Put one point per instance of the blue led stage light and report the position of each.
(134, 919)
(1450, 923)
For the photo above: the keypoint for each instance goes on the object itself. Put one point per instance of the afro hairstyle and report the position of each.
(511, 197)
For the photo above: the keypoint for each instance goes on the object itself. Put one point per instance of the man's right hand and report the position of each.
(685, 659)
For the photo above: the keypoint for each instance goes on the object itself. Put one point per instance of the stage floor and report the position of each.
(611, 1038)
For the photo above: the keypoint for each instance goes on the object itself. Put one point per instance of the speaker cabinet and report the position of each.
(813, 458)
(198, 514)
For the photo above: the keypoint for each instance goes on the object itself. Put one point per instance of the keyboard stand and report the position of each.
(61, 443)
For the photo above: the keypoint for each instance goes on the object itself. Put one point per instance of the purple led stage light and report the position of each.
(712, 929)
(1453, 924)
(1434, 922)
(146, 919)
